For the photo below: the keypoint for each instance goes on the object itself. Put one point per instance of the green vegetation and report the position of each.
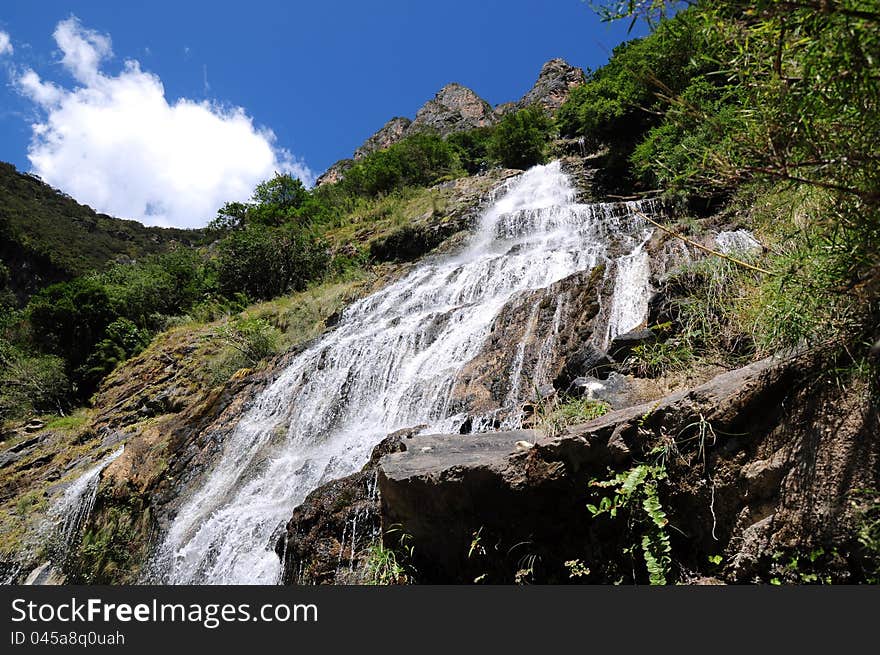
(46, 236)
(390, 566)
(650, 360)
(635, 500)
(572, 411)
(520, 139)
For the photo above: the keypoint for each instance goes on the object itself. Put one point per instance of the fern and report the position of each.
(634, 495)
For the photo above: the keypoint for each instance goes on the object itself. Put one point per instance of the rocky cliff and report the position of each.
(456, 108)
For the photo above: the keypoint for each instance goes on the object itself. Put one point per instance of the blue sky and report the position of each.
(322, 76)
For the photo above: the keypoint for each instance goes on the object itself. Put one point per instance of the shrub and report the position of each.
(254, 339)
(418, 160)
(473, 148)
(123, 339)
(158, 286)
(32, 384)
(518, 140)
(69, 318)
(266, 262)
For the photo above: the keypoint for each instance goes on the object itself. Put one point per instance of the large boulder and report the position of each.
(764, 463)
(328, 536)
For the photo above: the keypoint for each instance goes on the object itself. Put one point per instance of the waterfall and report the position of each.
(391, 362)
(629, 304)
(67, 516)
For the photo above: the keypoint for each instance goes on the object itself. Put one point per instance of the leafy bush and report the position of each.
(31, 384)
(266, 262)
(473, 148)
(123, 339)
(611, 107)
(518, 141)
(418, 160)
(254, 339)
(159, 286)
(69, 318)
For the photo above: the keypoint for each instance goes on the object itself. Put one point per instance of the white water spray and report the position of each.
(68, 515)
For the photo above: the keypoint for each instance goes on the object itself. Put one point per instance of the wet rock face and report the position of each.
(784, 456)
(389, 134)
(550, 323)
(555, 82)
(455, 108)
(328, 536)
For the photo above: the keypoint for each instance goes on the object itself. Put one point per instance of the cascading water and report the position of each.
(62, 527)
(71, 511)
(392, 362)
(629, 304)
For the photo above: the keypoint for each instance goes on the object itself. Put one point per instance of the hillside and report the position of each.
(46, 236)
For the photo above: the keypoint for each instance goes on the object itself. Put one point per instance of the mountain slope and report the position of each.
(46, 236)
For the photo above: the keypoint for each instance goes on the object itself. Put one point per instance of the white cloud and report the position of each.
(5, 44)
(117, 144)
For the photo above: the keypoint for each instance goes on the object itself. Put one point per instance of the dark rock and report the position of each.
(623, 344)
(34, 426)
(9, 457)
(27, 444)
(328, 536)
(588, 360)
(749, 504)
(441, 491)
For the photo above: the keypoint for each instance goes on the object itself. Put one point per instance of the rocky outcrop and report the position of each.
(389, 134)
(763, 465)
(553, 86)
(329, 536)
(454, 108)
(539, 329)
(335, 173)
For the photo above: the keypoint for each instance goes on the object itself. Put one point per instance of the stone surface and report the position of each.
(335, 173)
(454, 108)
(623, 344)
(529, 318)
(553, 86)
(388, 134)
(329, 534)
(780, 465)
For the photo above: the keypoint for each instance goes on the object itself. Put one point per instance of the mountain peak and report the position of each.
(454, 108)
(555, 81)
